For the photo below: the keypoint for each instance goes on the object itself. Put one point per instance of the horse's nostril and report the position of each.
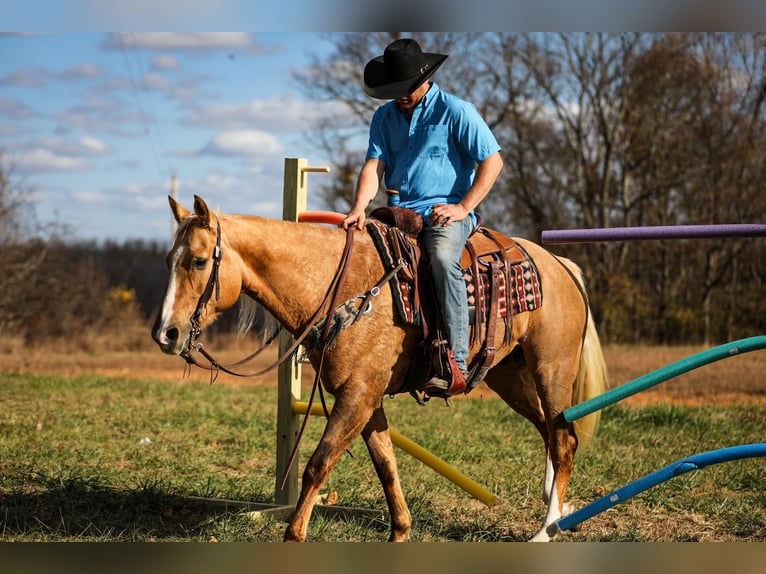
(172, 334)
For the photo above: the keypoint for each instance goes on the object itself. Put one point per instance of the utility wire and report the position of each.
(152, 113)
(160, 158)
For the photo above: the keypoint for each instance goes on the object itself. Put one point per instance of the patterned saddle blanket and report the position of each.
(501, 281)
(518, 287)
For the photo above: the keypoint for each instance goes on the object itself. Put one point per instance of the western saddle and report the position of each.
(501, 280)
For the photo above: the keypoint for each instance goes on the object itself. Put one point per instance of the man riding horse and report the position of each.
(437, 152)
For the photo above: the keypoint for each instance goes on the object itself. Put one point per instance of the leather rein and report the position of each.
(213, 285)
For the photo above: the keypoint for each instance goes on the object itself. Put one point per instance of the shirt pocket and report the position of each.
(434, 141)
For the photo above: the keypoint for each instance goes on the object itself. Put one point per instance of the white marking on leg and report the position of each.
(548, 481)
(549, 529)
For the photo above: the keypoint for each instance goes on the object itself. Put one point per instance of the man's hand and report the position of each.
(354, 219)
(446, 213)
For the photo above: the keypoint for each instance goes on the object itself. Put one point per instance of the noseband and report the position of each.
(212, 284)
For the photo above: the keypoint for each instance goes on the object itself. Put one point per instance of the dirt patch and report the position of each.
(144, 363)
(736, 380)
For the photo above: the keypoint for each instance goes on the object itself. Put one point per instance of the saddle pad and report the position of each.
(403, 292)
(523, 281)
(525, 287)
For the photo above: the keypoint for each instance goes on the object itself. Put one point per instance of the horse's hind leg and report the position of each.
(562, 443)
(512, 380)
(378, 439)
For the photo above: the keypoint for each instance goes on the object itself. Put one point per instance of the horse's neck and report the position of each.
(287, 267)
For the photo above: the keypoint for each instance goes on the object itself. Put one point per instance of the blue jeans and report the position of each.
(444, 246)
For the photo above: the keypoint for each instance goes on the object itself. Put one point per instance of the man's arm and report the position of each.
(367, 186)
(486, 174)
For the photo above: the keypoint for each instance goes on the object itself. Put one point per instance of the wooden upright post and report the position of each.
(288, 423)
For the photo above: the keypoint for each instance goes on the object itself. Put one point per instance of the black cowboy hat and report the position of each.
(401, 69)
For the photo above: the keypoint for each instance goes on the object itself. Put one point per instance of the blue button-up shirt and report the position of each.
(431, 158)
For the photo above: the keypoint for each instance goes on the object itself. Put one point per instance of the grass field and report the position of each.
(99, 457)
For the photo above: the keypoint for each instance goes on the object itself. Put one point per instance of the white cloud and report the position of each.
(44, 160)
(243, 143)
(54, 154)
(154, 81)
(219, 180)
(275, 114)
(98, 114)
(38, 77)
(92, 146)
(15, 109)
(155, 203)
(191, 41)
(80, 71)
(85, 146)
(28, 78)
(165, 62)
(134, 189)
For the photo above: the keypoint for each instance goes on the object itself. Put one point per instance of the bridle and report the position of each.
(213, 283)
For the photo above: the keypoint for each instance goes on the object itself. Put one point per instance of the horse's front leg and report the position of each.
(345, 423)
(378, 439)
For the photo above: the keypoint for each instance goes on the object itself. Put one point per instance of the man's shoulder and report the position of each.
(453, 102)
(385, 110)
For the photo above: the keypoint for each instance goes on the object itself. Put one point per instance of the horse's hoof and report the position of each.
(547, 533)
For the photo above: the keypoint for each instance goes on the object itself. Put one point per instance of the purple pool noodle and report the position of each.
(654, 232)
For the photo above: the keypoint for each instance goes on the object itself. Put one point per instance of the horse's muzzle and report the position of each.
(171, 340)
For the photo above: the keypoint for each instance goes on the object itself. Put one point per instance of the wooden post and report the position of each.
(289, 373)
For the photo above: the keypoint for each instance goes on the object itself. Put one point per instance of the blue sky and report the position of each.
(94, 124)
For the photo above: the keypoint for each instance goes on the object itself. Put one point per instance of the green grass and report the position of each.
(73, 466)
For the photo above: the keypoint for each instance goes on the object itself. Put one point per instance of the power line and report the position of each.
(152, 113)
(145, 119)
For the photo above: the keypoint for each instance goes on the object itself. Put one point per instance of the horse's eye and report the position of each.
(199, 263)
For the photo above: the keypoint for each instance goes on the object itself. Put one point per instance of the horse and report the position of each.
(552, 360)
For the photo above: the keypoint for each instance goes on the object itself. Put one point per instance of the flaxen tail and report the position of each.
(592, 378)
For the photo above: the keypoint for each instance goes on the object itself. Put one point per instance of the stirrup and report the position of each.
(439, 387)
(436, 387)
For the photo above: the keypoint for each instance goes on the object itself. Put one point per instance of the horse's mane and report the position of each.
(254, 317)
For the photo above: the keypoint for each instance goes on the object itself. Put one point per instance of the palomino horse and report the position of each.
(553, 361)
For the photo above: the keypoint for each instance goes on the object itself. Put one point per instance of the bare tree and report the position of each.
(19, 257)
(601, 130)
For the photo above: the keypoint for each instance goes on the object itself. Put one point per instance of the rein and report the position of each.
(213, 284)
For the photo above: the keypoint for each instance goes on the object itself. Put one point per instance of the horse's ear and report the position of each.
(179, 211)
(203, 211)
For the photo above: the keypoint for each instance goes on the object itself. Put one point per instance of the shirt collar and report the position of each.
(429, 95)
(424, 102)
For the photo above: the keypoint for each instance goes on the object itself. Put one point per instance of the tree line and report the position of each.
(56, 290)
(604, 130)
(93, 295)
